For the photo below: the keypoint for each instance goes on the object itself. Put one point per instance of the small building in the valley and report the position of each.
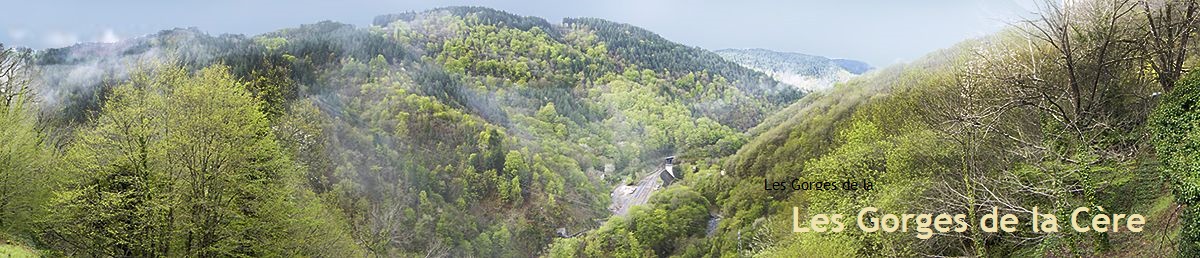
(668, 174)
(666, 177)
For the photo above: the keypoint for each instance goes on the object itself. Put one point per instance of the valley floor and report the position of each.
(626, 196)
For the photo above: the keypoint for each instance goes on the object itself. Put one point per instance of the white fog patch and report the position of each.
(61, 39)
(92, 67)
(109, 36)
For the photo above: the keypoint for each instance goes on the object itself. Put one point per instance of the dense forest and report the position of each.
(1086, 105)
(468, 131)
(460, 131)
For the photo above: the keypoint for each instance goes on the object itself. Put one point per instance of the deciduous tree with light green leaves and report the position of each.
(24, 180)
(181, 164)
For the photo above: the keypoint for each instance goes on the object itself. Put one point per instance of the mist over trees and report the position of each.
(452, 132)
(468, 131)
(1053, 112)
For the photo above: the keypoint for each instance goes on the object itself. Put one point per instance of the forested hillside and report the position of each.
(459, 131)
(1085, 106)
(472, 132)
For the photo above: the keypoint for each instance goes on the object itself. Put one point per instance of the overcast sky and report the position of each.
(880, 32)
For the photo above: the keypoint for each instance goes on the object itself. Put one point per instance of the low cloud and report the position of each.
(109, 36)
(61, 39)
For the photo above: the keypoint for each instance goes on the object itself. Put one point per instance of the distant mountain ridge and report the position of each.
(803, 71)
(853, 66)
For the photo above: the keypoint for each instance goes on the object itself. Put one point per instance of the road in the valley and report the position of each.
(626, 196)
